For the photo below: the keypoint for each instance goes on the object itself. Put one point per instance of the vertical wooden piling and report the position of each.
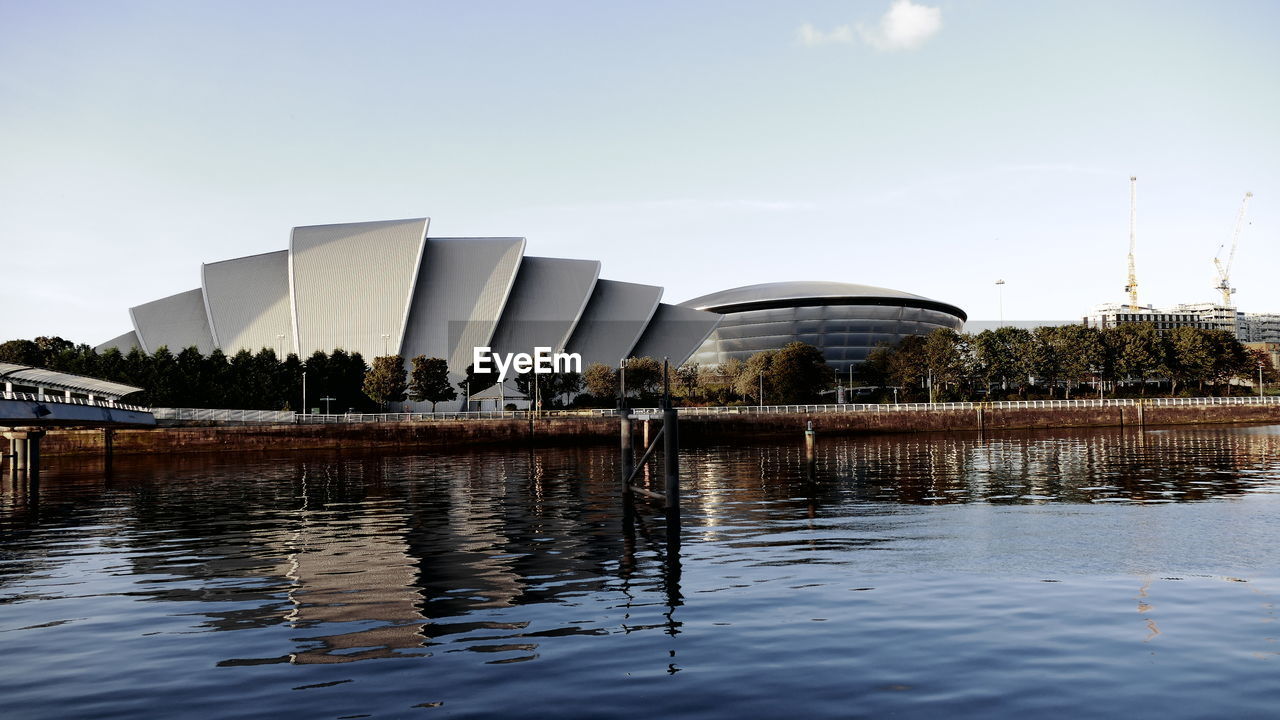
(626, 461)
(671, 458)
(810, 443)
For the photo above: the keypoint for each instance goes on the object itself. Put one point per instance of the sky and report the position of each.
(930, 146)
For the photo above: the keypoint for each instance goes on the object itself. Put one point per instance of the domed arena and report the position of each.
(844, 320)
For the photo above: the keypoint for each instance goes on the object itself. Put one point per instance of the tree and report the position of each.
(687, 382)
(475, 382)
(643, 377)
(429, 381)
(601, 381)
(1190, 356)
(384, 382)
(798, 373)
(1137, 350)
(754, 374)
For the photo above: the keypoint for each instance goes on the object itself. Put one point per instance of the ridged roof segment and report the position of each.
(248, 301)
(546, 301)
(352, 283)
(124, 343)
(615, 317)
(177, 322)
(789, 294)
(463, 284)
(674, 333)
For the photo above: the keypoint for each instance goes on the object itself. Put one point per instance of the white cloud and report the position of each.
(906, 26)
(813, 37)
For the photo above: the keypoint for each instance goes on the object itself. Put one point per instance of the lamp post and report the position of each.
(280, 345)
(762, 389)
(385, 338)
(1259, 378)
(304, 392)
(1000, 293)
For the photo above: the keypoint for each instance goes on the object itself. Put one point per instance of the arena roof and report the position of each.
(801, 293)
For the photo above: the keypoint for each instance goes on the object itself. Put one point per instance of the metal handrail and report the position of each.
(59, 399)
(285, 416)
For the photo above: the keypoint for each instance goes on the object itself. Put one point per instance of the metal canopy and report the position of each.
(24, 375)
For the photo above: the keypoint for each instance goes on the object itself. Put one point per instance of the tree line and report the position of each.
(1062, 361)
(1130, 359)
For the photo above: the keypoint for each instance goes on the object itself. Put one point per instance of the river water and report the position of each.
(1065, 574)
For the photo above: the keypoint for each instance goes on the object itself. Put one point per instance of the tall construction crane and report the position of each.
(1224, 271)
(1132, 287)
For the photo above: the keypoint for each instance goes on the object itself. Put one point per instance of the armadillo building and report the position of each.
(380, 288)
(844, 320)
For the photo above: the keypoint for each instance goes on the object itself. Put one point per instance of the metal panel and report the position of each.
(60, 381)
(124, 343)
(351, 285)
(177, 322)
(248, 302)
(844, 333)
(546, 301)
(615, 317)
(675, 332)
(462, 287)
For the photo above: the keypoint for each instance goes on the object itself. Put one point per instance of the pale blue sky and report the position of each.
(696, 145)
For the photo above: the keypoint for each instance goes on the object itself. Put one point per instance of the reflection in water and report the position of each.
(492, 558)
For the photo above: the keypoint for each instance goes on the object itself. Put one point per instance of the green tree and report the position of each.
(798, 373)
(1189, 354)
(429, 381)
(385, 383)
(754, 380)
(1002, 356)
(643, 377)
(1138, 351)
(601, 381)
(21, 352)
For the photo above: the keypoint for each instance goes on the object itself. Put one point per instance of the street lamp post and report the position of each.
(304, 392)
(1259, 378)
(1000, 292)
(280, 345)
(385, 339)
(761, 389)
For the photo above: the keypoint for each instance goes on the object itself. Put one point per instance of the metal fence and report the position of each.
(61, 399)
(231, 417)
(264, 417)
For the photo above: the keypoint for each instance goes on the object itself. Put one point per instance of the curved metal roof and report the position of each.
(24, 375)
(804, 292)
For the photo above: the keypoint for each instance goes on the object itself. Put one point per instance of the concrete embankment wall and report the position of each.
(694, 429)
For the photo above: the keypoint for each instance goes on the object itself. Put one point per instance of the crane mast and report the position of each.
(1224, 271)
(1132, 287)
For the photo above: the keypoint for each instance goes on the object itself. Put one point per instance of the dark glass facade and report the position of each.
(846, 328)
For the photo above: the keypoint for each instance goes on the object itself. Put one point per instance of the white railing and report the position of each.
(263, 417)
(243, 417)
(317, 419)
(62, 399)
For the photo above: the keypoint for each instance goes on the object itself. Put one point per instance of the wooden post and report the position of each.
(810, 443)
(33, 455)
(645, 442)
(108, 443)
(626, 460)
(671, 458)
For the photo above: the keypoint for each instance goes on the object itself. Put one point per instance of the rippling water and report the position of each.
(1069, 574)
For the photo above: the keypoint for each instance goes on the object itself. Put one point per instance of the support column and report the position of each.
(33, 455)
(646, 434)
(671, 458)
(626, 459)
(18, 441)
(108, 443)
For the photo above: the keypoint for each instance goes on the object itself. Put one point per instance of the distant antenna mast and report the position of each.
(1132, 287)
(1224, 272)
